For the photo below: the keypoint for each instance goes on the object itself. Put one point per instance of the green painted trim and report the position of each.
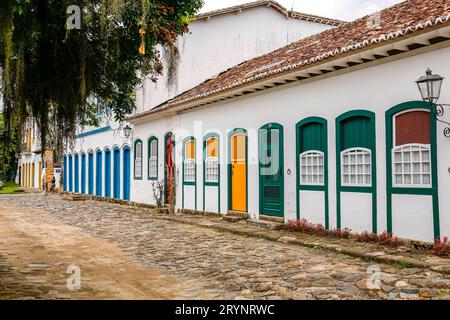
(230, 135)
(211, 184)
(434, 190)
(186, 140)
(281, 167)
(323, 188)
(373, 188)
(150, 140)
(168, 135)
(134, 158)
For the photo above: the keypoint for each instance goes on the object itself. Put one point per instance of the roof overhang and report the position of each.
(415, 43)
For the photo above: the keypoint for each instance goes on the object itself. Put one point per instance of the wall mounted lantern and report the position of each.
(430, 86)
(127, 131)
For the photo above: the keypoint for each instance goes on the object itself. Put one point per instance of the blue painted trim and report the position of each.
(93, 132)
(126, 172)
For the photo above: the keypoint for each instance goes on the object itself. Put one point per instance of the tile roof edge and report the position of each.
(360, 45)
(290, 14)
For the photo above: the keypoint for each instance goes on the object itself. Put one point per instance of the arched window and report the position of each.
(189, 172)
(138, 159)
(153, 158)
(411, 165)
(212, 160)
(356, 147)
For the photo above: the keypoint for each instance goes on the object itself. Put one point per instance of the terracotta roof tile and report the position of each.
(397, 21)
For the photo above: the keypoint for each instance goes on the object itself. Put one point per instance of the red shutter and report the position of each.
(412, 127)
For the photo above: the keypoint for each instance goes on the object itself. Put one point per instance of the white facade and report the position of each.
(371, 90)
(375, 89)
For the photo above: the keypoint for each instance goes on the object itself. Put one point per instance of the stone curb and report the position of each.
(277, 236)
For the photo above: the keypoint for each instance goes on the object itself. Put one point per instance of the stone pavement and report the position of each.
(199, 261)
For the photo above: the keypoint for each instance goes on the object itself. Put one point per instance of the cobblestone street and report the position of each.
(131, 253)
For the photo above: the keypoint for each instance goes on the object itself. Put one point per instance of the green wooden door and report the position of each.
(271, 170)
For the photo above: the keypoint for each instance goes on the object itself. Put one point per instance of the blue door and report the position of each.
(117, 173)
(126, 173)
(64, 173)
(77, 174)
(98, 175)
(70, 173)
(107, 174)
(91, 174)
(83, 173)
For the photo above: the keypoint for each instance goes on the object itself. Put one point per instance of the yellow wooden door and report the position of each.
(238, 173)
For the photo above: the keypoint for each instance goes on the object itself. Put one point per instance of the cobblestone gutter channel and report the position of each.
(219, 260)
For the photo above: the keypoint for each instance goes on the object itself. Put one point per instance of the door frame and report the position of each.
(126, 185)
(91, 163)
(77, 173)
(107, 153)
(272, 125)
(116, 174)
(167, 136)
(98, 173)
(83, 173)
(230, 182)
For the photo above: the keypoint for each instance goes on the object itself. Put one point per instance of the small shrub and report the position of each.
(442, 247)
(387, 239)
(340, 233)
(367, 237)
(316, 229)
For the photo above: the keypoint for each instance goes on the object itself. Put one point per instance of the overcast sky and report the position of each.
(339, 9)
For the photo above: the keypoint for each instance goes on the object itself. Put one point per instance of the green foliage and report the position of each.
(11, 188)
(50, 73)
(9, 145)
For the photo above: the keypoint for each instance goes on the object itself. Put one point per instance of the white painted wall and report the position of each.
(220, 43)
(376, 89)
(312, 206)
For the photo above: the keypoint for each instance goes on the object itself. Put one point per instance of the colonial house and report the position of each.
(331, 128)
(35, 165)
(29, 172)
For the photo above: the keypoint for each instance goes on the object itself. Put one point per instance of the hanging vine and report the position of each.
(51, 73)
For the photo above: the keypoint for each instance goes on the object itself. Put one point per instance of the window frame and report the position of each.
(136, 142)
(194, 181)
(205, 160)
(394, 147)
(391, 190)
(150, 156)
